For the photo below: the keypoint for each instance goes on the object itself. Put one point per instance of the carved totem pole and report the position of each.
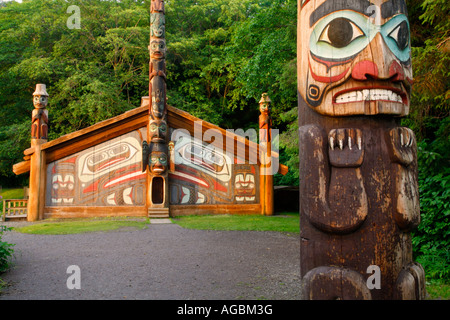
(39, 131)
(358, 169)
(265, 145)
(155, 151)
(39, 126)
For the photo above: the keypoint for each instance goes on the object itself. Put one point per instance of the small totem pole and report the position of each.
(39, 131)
(155, 151)
(265, 152)
(39, 126)
(358, 168)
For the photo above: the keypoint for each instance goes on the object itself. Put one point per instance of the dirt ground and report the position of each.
(162, 262)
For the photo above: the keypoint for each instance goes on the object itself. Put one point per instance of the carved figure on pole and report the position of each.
(265, 120)
(156, 154)
(358, 167)
(158, 158)
(265, 151)
(39, 126)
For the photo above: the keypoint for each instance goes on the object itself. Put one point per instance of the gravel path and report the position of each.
(162, 262)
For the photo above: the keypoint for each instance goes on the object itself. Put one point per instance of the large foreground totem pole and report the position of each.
(358, 170)
(155, 152)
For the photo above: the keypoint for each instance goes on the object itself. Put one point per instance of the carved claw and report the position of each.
(346, 147)
(403, 145)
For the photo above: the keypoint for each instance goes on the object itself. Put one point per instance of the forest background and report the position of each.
(222, 55)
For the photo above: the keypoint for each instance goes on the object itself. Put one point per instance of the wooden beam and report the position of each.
(73, 146)
(21, 167)
(181, 210)
(94, 211)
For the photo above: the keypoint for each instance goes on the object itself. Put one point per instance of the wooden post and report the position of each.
(358, 169)
(157, 156)
(265, 145)
(39, 130)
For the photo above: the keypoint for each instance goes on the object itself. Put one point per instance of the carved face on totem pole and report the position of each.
(354, 57)
(158, 103)
(158, 158)
(157, 24)
(157, 49)
(264, 104)
(40, 97)
(158, 130)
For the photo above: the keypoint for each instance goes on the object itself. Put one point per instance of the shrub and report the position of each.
(6, 251)
(431, 240)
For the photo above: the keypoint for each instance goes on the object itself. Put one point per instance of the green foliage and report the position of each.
(431, 240)
(6, 251)
(92, 73)
(429, 118)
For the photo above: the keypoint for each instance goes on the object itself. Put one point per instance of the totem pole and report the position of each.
(265, 145)
(39, 131)
(358, 168)
(39, 126)
(155, 151)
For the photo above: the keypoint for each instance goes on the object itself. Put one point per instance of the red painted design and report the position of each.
(327, 79)
(396, 71)
(91, 188)
(219, 187)
(363, 69)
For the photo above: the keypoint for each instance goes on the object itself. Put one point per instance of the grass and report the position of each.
(81, 226)
(438, 289)
(12, 193)
(287, 222)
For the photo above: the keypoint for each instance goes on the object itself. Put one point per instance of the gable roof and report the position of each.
(131, 120)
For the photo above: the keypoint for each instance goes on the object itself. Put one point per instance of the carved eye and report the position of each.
(340, 33)
(401, 35)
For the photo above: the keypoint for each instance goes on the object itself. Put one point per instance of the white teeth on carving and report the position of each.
(359, 143)
(369, 95)
(332, 143)
(350, 143)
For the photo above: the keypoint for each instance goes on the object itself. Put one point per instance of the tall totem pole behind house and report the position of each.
(155, 151)
(358, 169)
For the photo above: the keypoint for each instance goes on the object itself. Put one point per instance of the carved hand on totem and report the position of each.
(334, 199)
(406, 202)
(403, 145)
(346, 147)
